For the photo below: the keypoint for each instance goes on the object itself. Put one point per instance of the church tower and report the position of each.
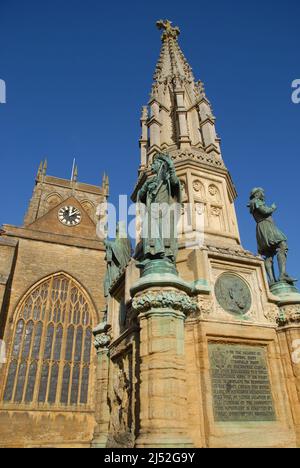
(51, 298)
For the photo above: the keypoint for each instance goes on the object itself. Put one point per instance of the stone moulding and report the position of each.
(164, 300)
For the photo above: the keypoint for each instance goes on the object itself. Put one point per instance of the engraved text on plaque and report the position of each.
(240, 383)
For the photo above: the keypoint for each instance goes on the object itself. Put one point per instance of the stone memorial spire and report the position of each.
(178, 116)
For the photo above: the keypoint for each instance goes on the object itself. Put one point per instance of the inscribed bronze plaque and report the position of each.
(233, 294)
(240, 383)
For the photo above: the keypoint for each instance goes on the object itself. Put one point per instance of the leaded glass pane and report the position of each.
(78, 345)
(27, 309)
(37, 310)
(53, 384)
(49, 341)
(58, 342)
(10, 381)
(69, 347)
(76, 319)
(87, 345)
(43, 383)
(31, 382)
(84, 385)
(27, 340)
(65, 385)
(75, 384)
(18, 338)
(37, 341)
(20, 382)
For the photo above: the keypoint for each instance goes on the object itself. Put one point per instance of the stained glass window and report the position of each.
(50, 359)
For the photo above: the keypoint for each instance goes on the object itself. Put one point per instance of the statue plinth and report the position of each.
(285, 292)
(162, 301)
(163, 273)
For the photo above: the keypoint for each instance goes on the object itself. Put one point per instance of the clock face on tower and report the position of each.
(69, 216)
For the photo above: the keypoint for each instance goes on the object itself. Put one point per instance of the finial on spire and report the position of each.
(45, 166)
(40, 171)
(105, 184)
(169, 30)
(75, 173)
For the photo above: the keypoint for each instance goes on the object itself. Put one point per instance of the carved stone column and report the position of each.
(161, 302)
(102, 341)
(289, 338)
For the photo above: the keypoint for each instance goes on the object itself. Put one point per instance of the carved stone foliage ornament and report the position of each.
(289, 314)
(271, 313)
(164, 300)
(102, 337)
(233, 294)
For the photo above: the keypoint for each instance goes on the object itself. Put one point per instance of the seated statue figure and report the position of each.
(271, 241)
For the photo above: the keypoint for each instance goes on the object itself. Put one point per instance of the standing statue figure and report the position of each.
(161, 196)
(271, 241)
(118, 253)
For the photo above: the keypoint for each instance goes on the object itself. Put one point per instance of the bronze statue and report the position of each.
(271, 241)
(160, 196)
(118, 253)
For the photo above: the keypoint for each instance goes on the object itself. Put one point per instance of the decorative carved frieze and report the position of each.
(164, 300)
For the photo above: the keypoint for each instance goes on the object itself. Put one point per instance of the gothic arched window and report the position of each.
(50, 357)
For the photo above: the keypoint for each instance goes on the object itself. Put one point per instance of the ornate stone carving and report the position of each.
(200, 208)
(164, 300)
(271, 313)
(183, 189)
(238, 252)
(213, 190)
(198, 155)
(102, 337)
(289, 314)
(120, 401)
(197, 185)
(233, 294)
(215, 211)
(205, 305)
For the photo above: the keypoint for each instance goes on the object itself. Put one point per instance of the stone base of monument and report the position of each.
(285, 291)
(289, 339)
(162, 300)
(163, 273)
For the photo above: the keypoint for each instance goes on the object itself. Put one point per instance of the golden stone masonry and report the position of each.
(146, 364)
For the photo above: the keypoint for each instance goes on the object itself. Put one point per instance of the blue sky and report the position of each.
(77, 74)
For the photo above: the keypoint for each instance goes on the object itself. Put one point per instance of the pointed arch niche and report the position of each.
(50, 358)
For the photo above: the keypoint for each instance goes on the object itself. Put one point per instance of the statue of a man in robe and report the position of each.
(160, 197)
(118, 253)
(271, 241)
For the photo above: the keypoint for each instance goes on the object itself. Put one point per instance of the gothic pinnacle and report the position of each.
(169, 30)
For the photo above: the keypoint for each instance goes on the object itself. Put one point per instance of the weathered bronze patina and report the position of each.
(233, 294)
(270, 240)
(240, 383)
